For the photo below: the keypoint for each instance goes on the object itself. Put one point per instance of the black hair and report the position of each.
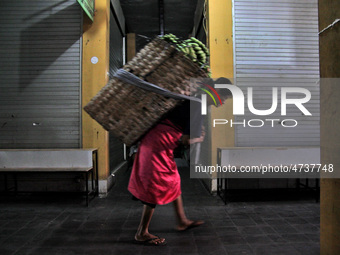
(223, 92)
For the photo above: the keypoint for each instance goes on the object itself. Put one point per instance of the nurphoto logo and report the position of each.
(287, 98)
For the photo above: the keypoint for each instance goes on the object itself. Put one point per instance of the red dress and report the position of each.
(154, 178)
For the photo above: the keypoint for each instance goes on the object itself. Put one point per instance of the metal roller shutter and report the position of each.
(276, 45)
(40, 74)
(116, 62)
(116, 46)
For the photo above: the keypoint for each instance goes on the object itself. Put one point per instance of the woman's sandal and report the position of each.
(152, 242)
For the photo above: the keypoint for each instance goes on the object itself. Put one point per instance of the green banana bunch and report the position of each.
(192, 48)
(171, 38)
(197, 52)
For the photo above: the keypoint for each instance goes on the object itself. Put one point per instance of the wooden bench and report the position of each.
(80, 161)
(274, 156)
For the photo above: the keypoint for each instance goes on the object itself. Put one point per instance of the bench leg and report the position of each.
(15, 184)
(225, 190)
(87, 188)
(317, 190)
(97, 175)
(92, 183)
(6, 184)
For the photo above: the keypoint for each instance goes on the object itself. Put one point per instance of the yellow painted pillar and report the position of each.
(96, 41)
(220, 40)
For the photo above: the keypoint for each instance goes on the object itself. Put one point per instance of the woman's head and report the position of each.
(223, 93)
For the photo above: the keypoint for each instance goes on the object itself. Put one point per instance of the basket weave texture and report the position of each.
(127, 111)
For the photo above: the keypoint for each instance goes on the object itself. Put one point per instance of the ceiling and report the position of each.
(143, 18)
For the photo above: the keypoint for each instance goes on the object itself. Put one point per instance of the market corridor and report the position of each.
(63, 225)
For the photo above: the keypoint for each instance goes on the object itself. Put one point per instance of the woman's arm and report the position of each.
(187, 141)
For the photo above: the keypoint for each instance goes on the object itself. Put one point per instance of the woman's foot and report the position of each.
(189, 224)
(149, 239)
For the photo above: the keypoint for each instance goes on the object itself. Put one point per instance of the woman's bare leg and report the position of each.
(182, 220)
(143, 228)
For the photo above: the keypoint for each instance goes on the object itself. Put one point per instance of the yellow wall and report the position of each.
(94, 77)
(220, 27)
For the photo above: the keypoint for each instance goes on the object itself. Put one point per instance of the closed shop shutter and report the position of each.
(276, 45)
(116, 62)
(116, 46)
(40, 74)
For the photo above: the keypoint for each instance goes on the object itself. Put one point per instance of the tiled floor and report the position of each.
(37, 225)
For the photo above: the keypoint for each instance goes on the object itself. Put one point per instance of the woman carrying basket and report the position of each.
(154, 178)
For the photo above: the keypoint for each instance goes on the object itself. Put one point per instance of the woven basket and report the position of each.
(127, 111)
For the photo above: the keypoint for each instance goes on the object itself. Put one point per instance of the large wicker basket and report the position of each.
(127, 111)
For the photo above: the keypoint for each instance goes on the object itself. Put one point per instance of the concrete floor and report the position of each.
(63, 225)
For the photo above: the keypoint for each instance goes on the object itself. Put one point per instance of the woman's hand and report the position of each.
(187, 141)
(196, 140)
